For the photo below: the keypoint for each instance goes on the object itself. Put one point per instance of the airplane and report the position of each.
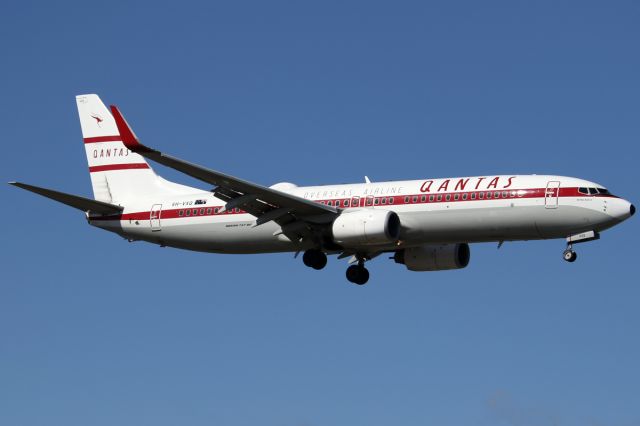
(426, 225)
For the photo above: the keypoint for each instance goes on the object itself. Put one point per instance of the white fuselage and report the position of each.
(427, 224)
(449, 210)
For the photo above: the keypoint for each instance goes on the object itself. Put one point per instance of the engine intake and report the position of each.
(434, 257)
(366, 227)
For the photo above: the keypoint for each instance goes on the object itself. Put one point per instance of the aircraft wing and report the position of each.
(75, 201)
(263, 202)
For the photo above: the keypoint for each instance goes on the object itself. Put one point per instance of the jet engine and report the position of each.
(365, 227)
(434, 257)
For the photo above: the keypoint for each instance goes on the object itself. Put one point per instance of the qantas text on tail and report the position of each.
(426, 224)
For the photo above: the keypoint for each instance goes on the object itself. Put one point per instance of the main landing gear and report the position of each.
(358, 274)
(315, 259)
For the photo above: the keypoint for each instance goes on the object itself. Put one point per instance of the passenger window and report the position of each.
(337, 203)
(431, 198)
(376, 201)
(215, 211)
(464, 196)
(181, 213)
(406, 200)
(346, 203)
(448, 197)
(415, 199)
(513, 194)
(505, 194)
(488, 195)
(423, 198)
(195, 212)
(455, 197)
(473, 195)
(188, 212)
(384, 200)
(209, 210)
(329, 203)
(201, 211)
(390, 200)
(480, 195)
(439, 197)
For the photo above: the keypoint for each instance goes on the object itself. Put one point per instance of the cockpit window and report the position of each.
(593, 191)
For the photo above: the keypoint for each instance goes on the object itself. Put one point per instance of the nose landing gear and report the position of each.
(569, 255)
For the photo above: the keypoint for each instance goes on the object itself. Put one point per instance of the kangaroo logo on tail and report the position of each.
(97, 118)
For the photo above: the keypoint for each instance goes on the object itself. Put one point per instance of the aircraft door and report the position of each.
(551, 194)
(154, 217)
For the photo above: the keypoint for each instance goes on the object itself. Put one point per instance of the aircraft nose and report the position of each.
(621, 209)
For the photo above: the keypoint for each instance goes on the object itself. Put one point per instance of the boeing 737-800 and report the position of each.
(425, 224)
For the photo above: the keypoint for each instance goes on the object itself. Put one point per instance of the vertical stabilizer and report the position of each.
(117, 174)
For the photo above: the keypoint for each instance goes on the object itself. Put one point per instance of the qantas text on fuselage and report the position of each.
(442, 185)
(426, 224)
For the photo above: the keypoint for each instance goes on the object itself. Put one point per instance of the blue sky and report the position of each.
(94, 330)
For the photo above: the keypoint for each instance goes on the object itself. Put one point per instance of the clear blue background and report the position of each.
(96, 331)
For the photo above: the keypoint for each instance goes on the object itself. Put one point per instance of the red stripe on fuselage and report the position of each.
(126, 166)
(115, 138)
(396, 200)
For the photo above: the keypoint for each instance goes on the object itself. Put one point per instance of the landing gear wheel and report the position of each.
(570, 255)
(315, 259)
(357, 274)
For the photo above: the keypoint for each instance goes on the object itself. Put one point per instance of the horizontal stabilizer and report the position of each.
(75, 201)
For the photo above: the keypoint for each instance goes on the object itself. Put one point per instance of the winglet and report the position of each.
(129, 138)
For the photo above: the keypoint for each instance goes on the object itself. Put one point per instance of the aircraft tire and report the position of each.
(570, 255)
(357, 274)
(315, 259)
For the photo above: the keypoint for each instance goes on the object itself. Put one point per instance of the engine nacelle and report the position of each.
(434, 257)
(365, 227)
(284, 186)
